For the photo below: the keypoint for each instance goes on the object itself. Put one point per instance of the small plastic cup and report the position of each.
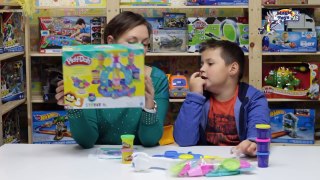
(126, 156)
(263, 131)
(263, 160)
(263, 145)
(127, 141)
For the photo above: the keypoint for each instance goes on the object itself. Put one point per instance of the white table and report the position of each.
(70, 162)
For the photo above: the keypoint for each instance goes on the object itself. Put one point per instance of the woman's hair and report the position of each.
(122, 23)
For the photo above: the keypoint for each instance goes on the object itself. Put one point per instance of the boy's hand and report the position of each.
(196, 83)
(247, 147)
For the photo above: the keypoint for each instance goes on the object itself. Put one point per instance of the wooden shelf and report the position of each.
(6, 56)
(10, 4)
(11, 105)
(10, 10)
(181, 7)
(271, 6)
(289, 54)
(37, 99)
(176, 100)
(37, 54)
(68, 7)
(173, 54)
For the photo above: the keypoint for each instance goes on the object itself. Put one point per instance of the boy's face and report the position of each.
(214, 70)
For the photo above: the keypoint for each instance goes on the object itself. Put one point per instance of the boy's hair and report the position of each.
(230, 52)
(123, 22)
(80, 21)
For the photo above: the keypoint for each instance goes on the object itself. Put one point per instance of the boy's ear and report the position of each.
(234, 68)
(110, 39)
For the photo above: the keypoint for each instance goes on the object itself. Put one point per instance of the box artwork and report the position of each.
(104, 76)
(201, 29)
(291, 80)
(56, 32)
(292, 125)
(51, 127)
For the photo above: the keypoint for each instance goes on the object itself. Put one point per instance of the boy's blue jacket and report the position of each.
(251, 108)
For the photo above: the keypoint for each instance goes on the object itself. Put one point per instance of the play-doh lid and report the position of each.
(127, 136)
(263, 140)
(263, 126)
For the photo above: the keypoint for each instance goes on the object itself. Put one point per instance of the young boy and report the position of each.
(83, 32)
(219, 109)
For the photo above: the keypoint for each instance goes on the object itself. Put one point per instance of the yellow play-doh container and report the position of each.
(127, 156)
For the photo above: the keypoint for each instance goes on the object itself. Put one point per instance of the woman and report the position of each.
(105, 126)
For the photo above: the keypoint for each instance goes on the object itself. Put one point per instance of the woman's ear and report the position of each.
(110, 39)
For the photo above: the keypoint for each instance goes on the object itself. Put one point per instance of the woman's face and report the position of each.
(138, 34)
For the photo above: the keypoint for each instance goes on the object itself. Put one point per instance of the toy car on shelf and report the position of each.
(178, 85)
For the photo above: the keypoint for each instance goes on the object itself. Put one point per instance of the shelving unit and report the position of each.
(291, 54)
(6, 107)
(255, 55)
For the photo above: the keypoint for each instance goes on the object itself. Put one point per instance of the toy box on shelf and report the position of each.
(12, 80)
(178, 85)
(105, 76)
(169, 41)
(288, 30)
(285, 1)
(12, 32)
(1, 36)
(11, 127)
(291, 80)
(51, 127)
(223, 2)
(56, 32)
(146, 2)
(169, 33)
(201, 29)
(292, 125)
(318, 36)
(71, 3)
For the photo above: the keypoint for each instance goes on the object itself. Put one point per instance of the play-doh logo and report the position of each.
(44, 117)
(78, 59)
(277, 112)
(46, 20)
(199, 25)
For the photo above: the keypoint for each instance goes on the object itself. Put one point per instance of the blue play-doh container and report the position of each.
(263, 159)
(263, 131)
(263, 145)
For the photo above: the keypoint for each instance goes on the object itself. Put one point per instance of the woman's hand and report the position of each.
(149, 95)
(60, 93)
(196, 83)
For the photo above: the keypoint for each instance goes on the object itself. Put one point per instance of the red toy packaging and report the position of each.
(291, 80)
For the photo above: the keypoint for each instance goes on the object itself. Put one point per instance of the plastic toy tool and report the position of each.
(143, 162)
